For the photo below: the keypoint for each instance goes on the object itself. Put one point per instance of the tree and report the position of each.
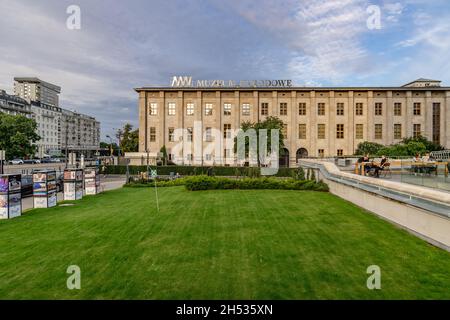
(429, 145)
(270, 123)
(17, 136)
(129, 139)
(367, 147)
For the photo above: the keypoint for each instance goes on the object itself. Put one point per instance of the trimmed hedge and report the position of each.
(159, 183)
(217, 171)
(213, 183)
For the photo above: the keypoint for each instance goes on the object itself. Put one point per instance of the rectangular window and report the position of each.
(227, 153)
(189, 109)
(208, 157)
(153, 109)
(378, 109)
(397, 131)
(208, 134)
(190, 134)
(397, 109)
(378, 131)
(416, 108)
(227, 109)
(189, 157)
(302, 109)
(208, 109)
(340, 152)
(284, 130)
(321, 109)
(416, 130)
(171, 108)
(339, 131)
(321, 153)
(171, 134)
(283, 109)
(320, 131)
(359, 107)
(359, 131)
(340, 109)
(227, 130)
(264, 109)
(152, 134)
(436, 121)
(245, 109)
(302, 131)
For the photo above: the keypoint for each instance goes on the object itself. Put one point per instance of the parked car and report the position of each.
(46, 160)
(27, 186)
(16, 161)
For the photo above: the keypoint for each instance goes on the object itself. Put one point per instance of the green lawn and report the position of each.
(227, 244)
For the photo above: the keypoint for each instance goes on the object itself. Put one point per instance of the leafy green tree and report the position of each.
(270, 123)
(129, 139)
(17, 136)
(368, 147)
(429, 145)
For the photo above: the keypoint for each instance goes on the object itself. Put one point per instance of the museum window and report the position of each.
(416, 108)
(172, 107)
(208, 134)
(284, 130)
(189, 109)
(302, 109)
(378, 131)
(321, 153)
(208, 157)
(227, 130)
(152, 134)
(340, 109)
(436, 121)
(397, 109)
(302, 131)
(153, 109)
(171, 134)
(227, 109)
(378, 109)
(208, 109)
(283, 109)
(321, 131)
(321, 109)
(245, 109)
(340, 152)
(190, 134)
(189, 157)
(264, 109)
(416, 130)
(339, 131)
(359, 131)
(397, 131)
(359, 109)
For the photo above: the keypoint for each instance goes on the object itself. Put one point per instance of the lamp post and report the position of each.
(110, 146)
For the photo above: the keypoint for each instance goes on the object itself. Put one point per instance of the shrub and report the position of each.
(211, 183)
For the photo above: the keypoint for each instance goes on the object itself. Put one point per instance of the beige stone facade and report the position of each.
(319, 121)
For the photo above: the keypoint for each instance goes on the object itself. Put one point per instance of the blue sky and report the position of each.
(127, 44)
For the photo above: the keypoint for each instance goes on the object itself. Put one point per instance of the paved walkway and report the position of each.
(108, 183)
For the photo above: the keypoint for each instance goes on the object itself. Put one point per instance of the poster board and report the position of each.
(44, 189)
(10, 196)
(91, 181)
(73, 184)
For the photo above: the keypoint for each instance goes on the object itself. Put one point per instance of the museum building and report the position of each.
(318, 121)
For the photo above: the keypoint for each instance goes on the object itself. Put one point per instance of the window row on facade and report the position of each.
(283, 109)
(302, 132)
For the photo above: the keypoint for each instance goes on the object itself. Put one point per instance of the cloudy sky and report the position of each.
(125, 44)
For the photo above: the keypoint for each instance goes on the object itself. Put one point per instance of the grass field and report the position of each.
(227, 244)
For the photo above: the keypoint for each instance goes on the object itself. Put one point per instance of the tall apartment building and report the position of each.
(318, 121)
(34, 89)
(79, 133)
(56, 126)
(14, 105)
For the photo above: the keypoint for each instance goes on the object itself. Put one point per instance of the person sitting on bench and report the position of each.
(380, 167)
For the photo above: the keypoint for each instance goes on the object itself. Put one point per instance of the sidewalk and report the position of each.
(27, 203)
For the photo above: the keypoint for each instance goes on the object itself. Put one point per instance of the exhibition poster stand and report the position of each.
(10, 196)
(91, 181)
(44, 189)
(73, 184)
